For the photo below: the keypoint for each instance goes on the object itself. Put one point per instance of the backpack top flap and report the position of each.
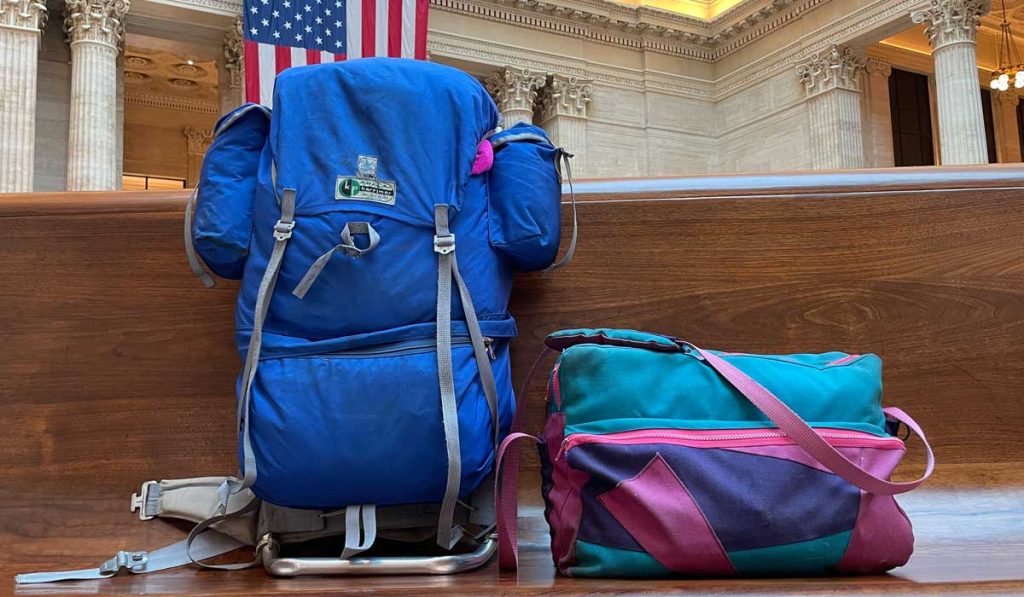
(386, 136)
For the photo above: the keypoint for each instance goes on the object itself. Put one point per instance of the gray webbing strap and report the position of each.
(566, 259)
(143, 562)
(198, 532)
(483, 361)
(360, 529)
(282, 232)
(347, 246)
(190, 249)
(444, 246)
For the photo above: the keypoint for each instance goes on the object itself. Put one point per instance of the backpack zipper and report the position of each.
(402, 348)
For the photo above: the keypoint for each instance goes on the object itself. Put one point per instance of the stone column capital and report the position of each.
(1006, 98)
(565, 96)
(514, 88)
(23, 14)
(99, 21)
(952, 21)
(834, 68)
(233, 53)
(197, 140)
(876, 67)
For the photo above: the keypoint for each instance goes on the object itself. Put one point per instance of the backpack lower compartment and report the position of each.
(364, 426)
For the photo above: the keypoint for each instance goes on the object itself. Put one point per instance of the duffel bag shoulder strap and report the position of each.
(506, 476)
(804, 436)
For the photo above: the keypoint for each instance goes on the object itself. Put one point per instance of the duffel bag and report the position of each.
(659, 458)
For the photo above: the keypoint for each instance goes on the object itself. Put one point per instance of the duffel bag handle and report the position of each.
(804, 436)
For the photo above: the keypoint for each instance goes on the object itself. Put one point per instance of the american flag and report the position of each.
(283, 33)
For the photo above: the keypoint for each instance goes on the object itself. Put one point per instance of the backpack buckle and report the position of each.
(444, 244)
(139, 500)
(132, 560)
(283, 230)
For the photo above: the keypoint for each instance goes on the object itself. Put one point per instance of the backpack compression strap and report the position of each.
(447, 269)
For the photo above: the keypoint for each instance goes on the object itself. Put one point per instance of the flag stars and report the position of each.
(307, 8)
(275, 14)
(254, 10)
(337, 43)
(319, 20)
(337, 4)
(266, 22)
(298, 16)
(327, 32)
(253, 31)
(327, 11)
(287, 25)
(319, 41)
(277, 35)
(286, 4)
(309, 29)
(337, 24)
(298, 37)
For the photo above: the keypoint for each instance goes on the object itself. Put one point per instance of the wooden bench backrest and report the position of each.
(116, 366)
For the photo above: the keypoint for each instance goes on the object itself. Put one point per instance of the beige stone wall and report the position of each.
(154, 139)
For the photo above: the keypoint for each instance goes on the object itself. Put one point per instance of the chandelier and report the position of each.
(1010, 64)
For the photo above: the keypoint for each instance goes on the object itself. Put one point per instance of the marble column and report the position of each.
(832, 81)
(20, 24)
(878, 138)
(1004, 112)
(197, 142)
(515, 91)
(563, 114)
(95, 29)
(952, 27)
(232, 81)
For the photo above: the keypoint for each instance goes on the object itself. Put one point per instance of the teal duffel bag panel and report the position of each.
(830, 389)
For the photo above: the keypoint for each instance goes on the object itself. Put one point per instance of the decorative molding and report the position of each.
(836, 68)
(173, 103)
(952, 21)
(96, 20)
(641, 28)
(221, 7)
(197, 141)
(514, 88)
(876, 67)
(23, 14)
(565, 96)
(233, 53)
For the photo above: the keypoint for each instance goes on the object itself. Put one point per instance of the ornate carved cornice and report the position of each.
(565, 96)
(514, 88)
(835, 68)
(23, 14)
(172, 103)
(95, 20)
(233, 53)
(641, 28)
(952, 21)
(198, 141)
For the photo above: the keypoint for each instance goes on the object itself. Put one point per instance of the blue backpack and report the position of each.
(375, 219)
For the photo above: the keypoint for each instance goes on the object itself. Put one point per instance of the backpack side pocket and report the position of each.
(524, 199)
(223, 213)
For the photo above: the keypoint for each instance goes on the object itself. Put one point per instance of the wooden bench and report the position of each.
(117, 367)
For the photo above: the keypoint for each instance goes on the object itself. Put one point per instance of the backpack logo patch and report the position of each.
(365, 186)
